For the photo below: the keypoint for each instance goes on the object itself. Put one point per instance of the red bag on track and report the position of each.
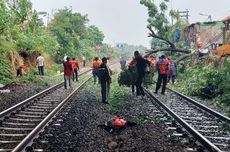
(118, 122)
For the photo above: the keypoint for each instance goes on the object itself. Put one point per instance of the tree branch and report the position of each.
(152, 34)
(184, 57)
(170, 49)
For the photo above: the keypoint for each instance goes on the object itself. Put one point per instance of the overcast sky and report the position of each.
(126, 20)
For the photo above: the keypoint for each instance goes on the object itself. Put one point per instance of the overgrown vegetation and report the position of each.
(75, 37)
(23, 36)
(206, 82)
(195, 77)
(117, 94)
(6, 75)
(161, 30)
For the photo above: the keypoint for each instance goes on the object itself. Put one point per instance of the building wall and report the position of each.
(203, 35)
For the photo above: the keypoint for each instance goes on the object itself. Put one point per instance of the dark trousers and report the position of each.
(19, 72)
(105, 86)
(83, 63)
(95, 74)
(161, 78)
(173, 78)
(133, 89)
(75, 74)
(67, 80)
(139, 87)
(41, 70)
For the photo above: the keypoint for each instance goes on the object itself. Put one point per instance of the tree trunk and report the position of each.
(170, 49)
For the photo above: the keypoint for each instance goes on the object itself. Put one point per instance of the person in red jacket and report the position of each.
(162, 68)
(75, 69)
(68, 73)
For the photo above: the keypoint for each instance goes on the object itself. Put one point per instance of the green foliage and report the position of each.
(95, 36)
(75, 38)
(225, 126)
(158, 120)
(129, 49)
(117, 93)
(127, 77)
(33, 77)
(6, 75)
(18, 33)
(206, 82)
(21, 30)
(157, 17)
(107, 51)
(142, 117)
(159, 22)
(86, 49)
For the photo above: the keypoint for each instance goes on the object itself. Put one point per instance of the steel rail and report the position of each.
(204, 141)
(27, 140)
(205, 108)
(15, 107)
(26, 101)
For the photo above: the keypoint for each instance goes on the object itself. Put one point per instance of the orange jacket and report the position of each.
(162, 66)
(96, 64)
(153, 61)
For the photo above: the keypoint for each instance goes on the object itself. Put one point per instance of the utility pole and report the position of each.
(171, 1)
(209, 16)
(185, 14)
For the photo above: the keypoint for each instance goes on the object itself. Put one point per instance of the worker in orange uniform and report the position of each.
(95, 66)
(162, 68)
(153, 60)
(75, 69)
(20, 70)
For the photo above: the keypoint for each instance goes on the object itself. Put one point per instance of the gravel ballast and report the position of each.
(77, 127)
(19, 91)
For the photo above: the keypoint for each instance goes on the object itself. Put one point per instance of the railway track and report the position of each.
(203, 123)
(20, 124)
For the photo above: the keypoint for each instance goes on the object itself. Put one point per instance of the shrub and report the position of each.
(127, 77)
(6, 74)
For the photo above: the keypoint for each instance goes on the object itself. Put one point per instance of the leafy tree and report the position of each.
(22, 34)
(95, 36)
(159, 26)
(75, 38)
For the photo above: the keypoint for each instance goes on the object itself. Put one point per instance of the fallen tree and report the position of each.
(160, 28)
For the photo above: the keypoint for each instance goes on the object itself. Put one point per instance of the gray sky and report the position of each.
(126, 20)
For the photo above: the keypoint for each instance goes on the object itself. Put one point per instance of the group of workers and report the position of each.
(100, 70)
(71, 69)
(40, 62)
(146, 65)
(166, 68)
